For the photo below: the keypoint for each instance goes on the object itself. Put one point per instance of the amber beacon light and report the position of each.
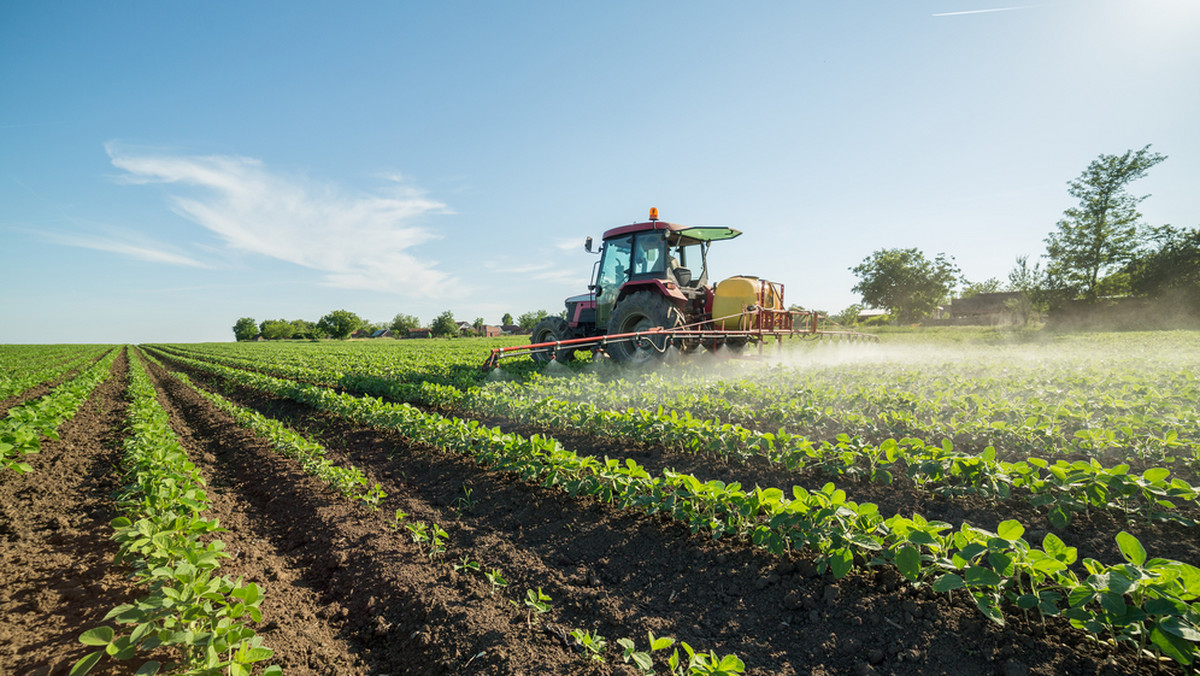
(654, 213)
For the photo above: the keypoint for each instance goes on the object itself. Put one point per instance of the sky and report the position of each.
(167, 168)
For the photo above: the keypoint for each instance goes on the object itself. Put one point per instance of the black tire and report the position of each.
(642, 311)
(549, 330)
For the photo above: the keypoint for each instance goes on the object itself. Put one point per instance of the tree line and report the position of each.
(341, 324)
(1100, 249)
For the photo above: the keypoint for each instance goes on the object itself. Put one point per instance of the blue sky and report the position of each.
(166, 168)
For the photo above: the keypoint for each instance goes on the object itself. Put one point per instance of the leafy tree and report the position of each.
(1029, 285)
(276, 329)
(991, 285)
(245, 329)
(339, 324)
(302, 328)
(506, 320)
(529, 320)
(1172, 270)
(477, 325)
(445, 325)
(1102, 231)
(402, 324)
(849, 316)
(905, 282)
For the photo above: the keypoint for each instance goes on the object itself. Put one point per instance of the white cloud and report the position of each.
(141, 250)
(359, 241)
(984, 11)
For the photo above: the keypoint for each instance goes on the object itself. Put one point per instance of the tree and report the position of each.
(339, 324)
(991, 285)
(506, 320)
(529, 320)
(1029, 285)
(477, 325)
(245, 329)
(276, 329)
(849, 316)
(1102, 232)
(445, 325)
(402, 324)
(1172, 270)
(904, 282)
(302, 328)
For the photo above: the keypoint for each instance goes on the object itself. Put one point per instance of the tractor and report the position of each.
(650, 291)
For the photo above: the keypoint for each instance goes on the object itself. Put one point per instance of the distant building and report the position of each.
(983, 308)
(383, 333)
(490, 331)
(420, 333)
(513, 329)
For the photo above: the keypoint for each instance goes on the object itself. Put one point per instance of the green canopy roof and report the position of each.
(707, 233)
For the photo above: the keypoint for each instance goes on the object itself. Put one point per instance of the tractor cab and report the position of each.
(666, 258)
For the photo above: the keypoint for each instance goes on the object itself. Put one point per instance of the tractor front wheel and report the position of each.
(549, 330)
(642, 311)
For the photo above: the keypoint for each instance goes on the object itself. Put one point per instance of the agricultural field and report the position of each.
(940, 502)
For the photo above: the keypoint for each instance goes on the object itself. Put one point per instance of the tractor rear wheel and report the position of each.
(642, 311)
(549, 330)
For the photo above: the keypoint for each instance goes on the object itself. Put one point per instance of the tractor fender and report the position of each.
(657, 286)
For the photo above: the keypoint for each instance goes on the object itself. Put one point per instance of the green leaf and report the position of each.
(908, 561)
(978, 576)
(97, 636)
(1156, 474)
(1131, 549)
(1053, 545)
(840, 562)
(148, 669)
(1177, 626)
(1060, 518)
(948, 582)
(1010, 530)
(1172, 646)
(86, 664)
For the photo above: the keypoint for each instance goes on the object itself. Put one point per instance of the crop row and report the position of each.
(1101, 400)
(1065, 488)
(1149, 604)
(351, 483)
(21, 369)
(347, 480)
(24, 427)
(199, 619)
(1097, 414)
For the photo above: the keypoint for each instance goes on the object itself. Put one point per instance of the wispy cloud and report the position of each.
(359, 241)
(985, 11)
(125, 244)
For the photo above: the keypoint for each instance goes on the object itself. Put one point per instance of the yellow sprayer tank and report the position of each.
(735, 294)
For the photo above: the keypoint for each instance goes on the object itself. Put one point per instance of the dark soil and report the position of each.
(56, 557)
(617, 573)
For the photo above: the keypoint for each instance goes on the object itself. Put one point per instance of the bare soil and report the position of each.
(56, 557)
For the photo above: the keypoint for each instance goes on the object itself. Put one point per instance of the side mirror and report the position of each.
(587, 246)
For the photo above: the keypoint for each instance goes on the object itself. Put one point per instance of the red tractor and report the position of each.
(650, 291)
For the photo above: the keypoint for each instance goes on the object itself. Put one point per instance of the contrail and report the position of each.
(984, 11)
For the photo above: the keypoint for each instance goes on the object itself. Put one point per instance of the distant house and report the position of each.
(420, 333)
(512, 329)
(382, 333)
(491, 331)
(361, 333)
(866, 315)
(982, 308)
